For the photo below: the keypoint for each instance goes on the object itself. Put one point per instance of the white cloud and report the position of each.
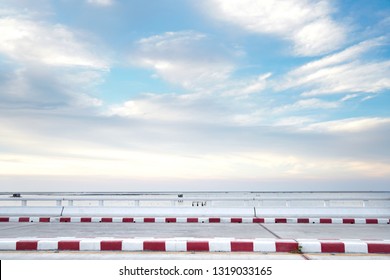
(258, 85)
(188, 108)
(41, 86)
(187, 58)
(30, 41)
(304, 104)
(349, 54)
(102, 3)
(319, 37)
(198, 63)
(49, 66)
(154, 107)
(353, 77)
(156, 148)
(119, 152)
(348, 97)
(296, 121)
(308, 24)
(368, 97)
(343, 72)
(352, 125)
(245, 87)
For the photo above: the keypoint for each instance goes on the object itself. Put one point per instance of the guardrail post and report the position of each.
(58, 202)
(287, 203)
(101, 202)
(24, 202)
(326, 203)
(70, 202)
(136, 203)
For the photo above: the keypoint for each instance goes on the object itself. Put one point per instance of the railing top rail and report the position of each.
(191, 199)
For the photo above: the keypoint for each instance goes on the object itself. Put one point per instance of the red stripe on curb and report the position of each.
(214, 220)
(111, 245)
(378, 248)
(70, 245)
(332, 247)
(31, 245)
(192, 220)
(198, 246)
(154, 246)
(325, 221)
(241, 246)
(286, 246)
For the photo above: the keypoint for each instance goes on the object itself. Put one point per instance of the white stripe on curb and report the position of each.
(196, 244)
(268, 220)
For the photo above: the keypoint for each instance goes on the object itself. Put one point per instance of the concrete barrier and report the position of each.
(207, 220)
(158, 212)
(261, 212)
(378, 212)
(31, 211)
(200, 245)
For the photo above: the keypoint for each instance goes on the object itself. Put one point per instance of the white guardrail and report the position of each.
(365, 200)
(224, 204)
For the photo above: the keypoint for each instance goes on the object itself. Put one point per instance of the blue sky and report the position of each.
(110, 95)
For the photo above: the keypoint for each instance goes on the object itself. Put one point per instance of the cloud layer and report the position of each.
(307, 24)
(186, 58)
(343, 72)
(263, 93)
(47, 65)
(102, 3)
(28, 41)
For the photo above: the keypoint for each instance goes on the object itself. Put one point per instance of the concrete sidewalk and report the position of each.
(210, 237)
(263, 245)
(195, 230)
(212, 256)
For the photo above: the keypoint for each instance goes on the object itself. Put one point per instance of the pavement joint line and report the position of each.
(270, 231)
(18, 226)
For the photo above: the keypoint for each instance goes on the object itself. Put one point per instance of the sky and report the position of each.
(194, 95)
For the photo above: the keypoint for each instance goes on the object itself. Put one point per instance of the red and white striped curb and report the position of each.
(203, 245)
(195, 220)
